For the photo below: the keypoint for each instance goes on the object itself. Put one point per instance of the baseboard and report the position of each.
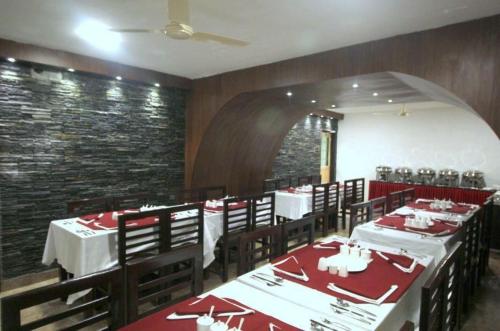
(28, 279)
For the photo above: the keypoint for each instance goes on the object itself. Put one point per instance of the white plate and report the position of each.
(353, 264)
(404, 212)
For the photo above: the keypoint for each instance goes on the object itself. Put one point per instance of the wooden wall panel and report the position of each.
(462, 58)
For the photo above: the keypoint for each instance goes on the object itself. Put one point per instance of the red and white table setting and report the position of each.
(420, 227)
(381, 289)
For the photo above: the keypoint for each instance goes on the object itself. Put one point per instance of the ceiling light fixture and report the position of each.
(98, 35)
(311, 114)
(375, 94)
(333, 106)
(289, 94)
(313, 101)
(355, 85)
(71, 70)
(389, 101)
(11, 59)
(157, 84)
(118, 77)
(322, 116)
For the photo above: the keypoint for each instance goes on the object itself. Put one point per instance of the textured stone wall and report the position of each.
(300, 153)
(77, 136)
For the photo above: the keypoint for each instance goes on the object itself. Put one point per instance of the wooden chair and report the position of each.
(471, 237)
(184, 226)
(262, 210)
(315, 179)
(441, 294)
(270, 185)
(263, 244)
(157, 282)
(100, 312)
(408, 196)
(297, 233)
(354, 192)
(89, 206)
(319, 201)
(237, 220)
(132, 201)
(304, 180)
(485, 239)
(395, 200)
(360, 213)
(284, 182)
(379, 207)
(214, 192)
(332, 205)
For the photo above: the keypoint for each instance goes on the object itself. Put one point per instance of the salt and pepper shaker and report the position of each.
(333, 270)
(114, 216)
(366, 254)
(354, 252)
(343, 272)
(322, 264)
(344, 250)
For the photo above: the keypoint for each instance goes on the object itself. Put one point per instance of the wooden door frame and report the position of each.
(333, 154)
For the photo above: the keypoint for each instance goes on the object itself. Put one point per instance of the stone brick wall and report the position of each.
(65, 136)
(300, 153)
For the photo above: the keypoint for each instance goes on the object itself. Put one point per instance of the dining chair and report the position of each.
(262, 210)
(485, 239)
(408, 196)
(184, 226)
(441, 297)
(394, 201)
(471, 236)
(361, 212)
(159, 281)
(103, 311)
(319, 202)
(379, 207)
(332, 204)
(89, 206)
(284, 182)
(354, 192)
(237, 219)
(315, 179)
(132, 200)
(304, 180)
(297, 233)
(270, 185)
(257, 246)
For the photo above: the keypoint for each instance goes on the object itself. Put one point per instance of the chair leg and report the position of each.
(225, 263)
(344, 216)
(326, 220)
(63, 275)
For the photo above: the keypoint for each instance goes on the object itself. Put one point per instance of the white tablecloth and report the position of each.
(292, 205)
(296, 304)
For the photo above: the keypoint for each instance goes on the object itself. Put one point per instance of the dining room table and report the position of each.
(275, 296)
(435, 240)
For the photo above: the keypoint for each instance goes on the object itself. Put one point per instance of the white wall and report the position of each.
(436, 135)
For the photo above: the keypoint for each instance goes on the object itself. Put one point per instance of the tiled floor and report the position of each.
(483, 317)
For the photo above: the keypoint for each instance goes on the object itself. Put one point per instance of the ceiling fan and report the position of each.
(179, 27)
(402, 113)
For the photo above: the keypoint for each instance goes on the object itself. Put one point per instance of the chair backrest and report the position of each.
(361, 212)
(408, 195)
(263, 244)
(142, 234)
(184, 225)
(214, 192)
(354, 191)
(319, 199)
(315, 179)
(394, 201)
(89, 206)
(332, 197)
(284, 182)
(98, 313)
(157, 282)
(441, 295)
(297, 233)
(379, 207)
(262, 210)
(132, 200)
(270, 185)
(237, 216)
(304, 180)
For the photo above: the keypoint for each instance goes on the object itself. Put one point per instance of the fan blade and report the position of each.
(202, 36)
(138, 30)
(178, 11)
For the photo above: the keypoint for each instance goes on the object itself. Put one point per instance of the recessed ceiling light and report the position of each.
(71, 70)
(98, 35)
(119, 77)
(289, 93)
(355, 85)
(375, 94)
(311, 114)
(313, 101)
(322, 116)
(11, 59)
(331, 118)
(157, 84)
(389, 101)
(333, 106)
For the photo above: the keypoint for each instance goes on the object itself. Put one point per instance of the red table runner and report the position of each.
(107, 221)
(456, 209)
(157, 322)
(372, 282)
(438, 227)
(458, 194)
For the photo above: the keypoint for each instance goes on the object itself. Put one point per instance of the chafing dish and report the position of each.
(473, 178)
(403, 175)
(425, 176)
(383, 173)
(448, 177)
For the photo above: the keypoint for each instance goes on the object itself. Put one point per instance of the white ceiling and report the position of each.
(277, 29)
